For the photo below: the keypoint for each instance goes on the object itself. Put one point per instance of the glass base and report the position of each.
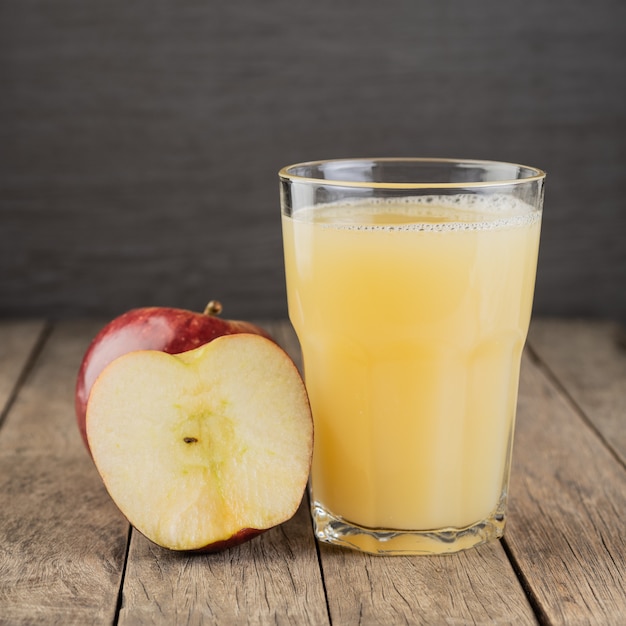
(332, 529)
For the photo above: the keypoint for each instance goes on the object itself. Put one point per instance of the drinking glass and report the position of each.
(410, 285)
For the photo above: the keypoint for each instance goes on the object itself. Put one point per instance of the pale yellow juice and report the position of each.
(412, 316)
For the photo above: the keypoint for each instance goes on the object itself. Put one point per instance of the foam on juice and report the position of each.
(440, 213)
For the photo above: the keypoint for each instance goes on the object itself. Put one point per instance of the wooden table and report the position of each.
(67, 556)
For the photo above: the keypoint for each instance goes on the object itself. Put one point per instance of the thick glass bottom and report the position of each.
(332, 529)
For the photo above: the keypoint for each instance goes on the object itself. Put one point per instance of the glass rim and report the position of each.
(285, 174)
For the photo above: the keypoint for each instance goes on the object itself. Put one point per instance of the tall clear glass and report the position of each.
(410, 285)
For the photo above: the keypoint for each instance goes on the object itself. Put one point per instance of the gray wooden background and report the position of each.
(140, 139)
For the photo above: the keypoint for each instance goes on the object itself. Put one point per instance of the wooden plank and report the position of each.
(18, 340)
(473, 587)
(567, 510)
(62, 540)
(478, 586)
(589, 359)
(42, 418)
(275, 578)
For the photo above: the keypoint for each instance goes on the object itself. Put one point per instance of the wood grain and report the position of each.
(566, 529)
(474, 587)
(66, 556)
(273, 579)
(62, 541)
(588, 359)
(18, 340)
(42, 418)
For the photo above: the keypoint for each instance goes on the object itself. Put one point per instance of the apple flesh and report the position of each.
(166, 329)
(205, 449)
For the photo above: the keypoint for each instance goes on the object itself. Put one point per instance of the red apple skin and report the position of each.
(165, 329)
(242, 536)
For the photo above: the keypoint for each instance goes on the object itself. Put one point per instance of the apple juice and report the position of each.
(412, 315)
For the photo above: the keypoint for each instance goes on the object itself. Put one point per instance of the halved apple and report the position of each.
(205, 449)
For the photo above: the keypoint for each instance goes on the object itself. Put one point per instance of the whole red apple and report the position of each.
(165, 329)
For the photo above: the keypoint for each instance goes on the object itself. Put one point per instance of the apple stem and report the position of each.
(213, 308)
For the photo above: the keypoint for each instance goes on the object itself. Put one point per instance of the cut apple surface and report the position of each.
(203, 449)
